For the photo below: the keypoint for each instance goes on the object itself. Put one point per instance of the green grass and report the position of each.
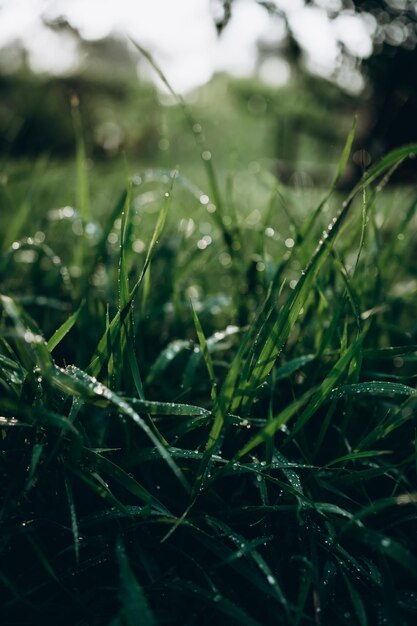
(208, 399)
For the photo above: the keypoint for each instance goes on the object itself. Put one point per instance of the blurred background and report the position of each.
(275, 84)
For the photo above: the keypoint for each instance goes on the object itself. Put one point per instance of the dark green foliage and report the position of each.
(194, 428)
(35, 115)
(389, 105)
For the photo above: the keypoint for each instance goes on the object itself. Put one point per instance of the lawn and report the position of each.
(207, 390)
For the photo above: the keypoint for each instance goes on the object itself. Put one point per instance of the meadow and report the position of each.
(207, 394)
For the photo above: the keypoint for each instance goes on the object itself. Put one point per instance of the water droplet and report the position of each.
(30, 337)
(39, 237)
(8, 421)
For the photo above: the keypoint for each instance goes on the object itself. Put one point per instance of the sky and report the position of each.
(182, 37)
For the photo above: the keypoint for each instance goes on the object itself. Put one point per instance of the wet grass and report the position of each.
(208, 402)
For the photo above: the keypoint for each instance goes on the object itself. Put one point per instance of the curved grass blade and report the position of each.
(309, 224)
(112, 333)
(356, 600)
(273, 335)
(215, 600)
(41, 416)
(363, 227)
(35, 459)
(200, 141)
(224, 399)
(43, 559)
(98, 487)
(76, 382)
(373, 388)
(323, 393)
(248, 548)
(206, 353)
(127, 339)
(43, 250)
(350, 291)
(74, 518)
(99, 249)
(386, 546)
(113, 513)
(135, 606)
(12, 372)
(63, 330)
(169, 408)
(116, 473)
(212, 344)
(389, 353)
(31, 346)
(393, 159)
(166, 357)
(292, 366)
(357, 456)
(314, 397)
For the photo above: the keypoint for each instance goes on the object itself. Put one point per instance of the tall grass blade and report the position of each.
(117, 474)
(82, 188)
(273, 335)
(75, 382)
(323, 393)
(112, 333)
(309, 224)
(214, 600)
(74, 519)
(64, 329)
(206, 353)
(135, 605)
(200, 141)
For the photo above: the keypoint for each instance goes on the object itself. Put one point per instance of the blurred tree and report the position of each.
(391, 73)
(117, 114)
(388, 111)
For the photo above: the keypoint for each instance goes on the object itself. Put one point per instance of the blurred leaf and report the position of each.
(135, 606)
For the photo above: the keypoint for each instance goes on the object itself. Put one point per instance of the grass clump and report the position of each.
(210, 418)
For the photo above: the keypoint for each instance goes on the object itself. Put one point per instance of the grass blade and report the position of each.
(112, 333)
(82, 189)
(77, 383)
(63, 330)
(135, 605)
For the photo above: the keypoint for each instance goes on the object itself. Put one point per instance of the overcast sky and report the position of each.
(182, 36)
